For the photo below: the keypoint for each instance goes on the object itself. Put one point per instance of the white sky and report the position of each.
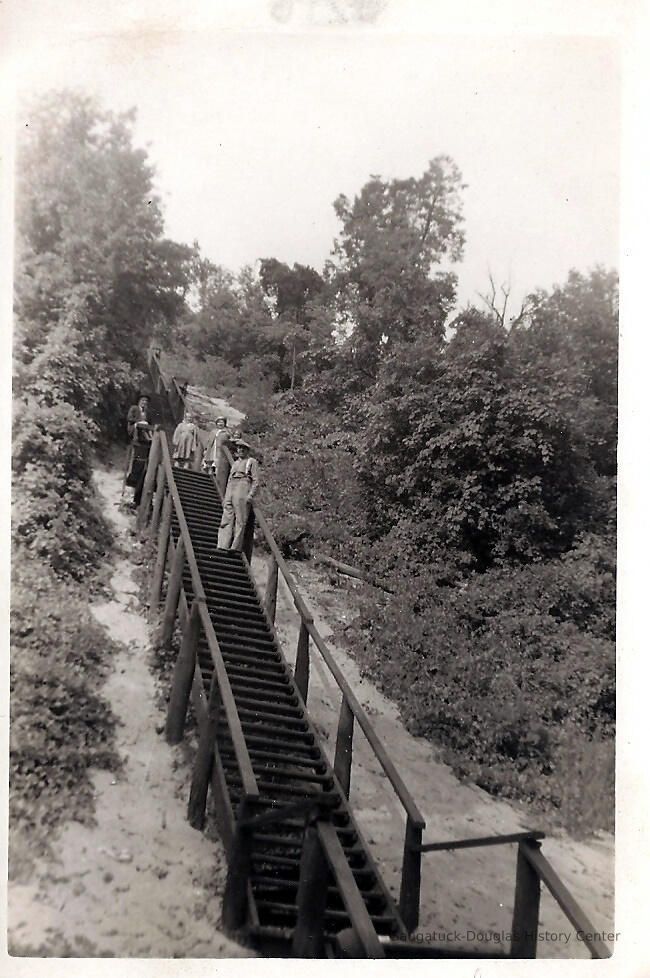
(255, 129)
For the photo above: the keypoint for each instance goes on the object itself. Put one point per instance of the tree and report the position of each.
(292, 291)
(393, 236)
(455, 448)
(90, 231)
(568, 343)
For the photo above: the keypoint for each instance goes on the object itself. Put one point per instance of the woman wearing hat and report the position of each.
(243, 483)
(140, 433)
(219, 436)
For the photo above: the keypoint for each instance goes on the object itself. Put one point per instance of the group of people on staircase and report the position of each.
(243, 480)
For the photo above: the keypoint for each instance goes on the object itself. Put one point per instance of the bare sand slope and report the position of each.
(468, 892)
(142, 883)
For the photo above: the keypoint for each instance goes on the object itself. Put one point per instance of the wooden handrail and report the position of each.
(487, 840)
(349, 890)
(565, 901)
(249, 782)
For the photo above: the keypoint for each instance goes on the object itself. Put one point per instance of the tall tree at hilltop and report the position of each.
(387, 271)
(90, 232)
(293, 291)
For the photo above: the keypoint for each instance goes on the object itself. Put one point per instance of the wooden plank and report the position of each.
(271, 596)
(487, 840)
(308, 935)
(568, 904)
(350, 894)
(182, 679)
(343, 753)
(161, 559)
(525, 917)
(409, 895)
(301, 668)
(204, 760)
(174, 584)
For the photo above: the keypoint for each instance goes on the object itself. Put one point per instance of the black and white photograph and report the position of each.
(314, 353)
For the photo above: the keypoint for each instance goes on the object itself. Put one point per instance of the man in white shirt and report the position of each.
(243, 483)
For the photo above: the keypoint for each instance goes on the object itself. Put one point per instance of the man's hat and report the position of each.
(221, 418)
(144, 394)
(240, 443)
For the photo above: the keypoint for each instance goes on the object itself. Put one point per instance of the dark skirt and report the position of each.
(139, 459)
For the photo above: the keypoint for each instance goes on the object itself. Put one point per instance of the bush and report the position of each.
(511, 672)
(61, 727)
(55, 515)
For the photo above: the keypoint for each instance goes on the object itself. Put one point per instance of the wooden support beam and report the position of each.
(308, 934)
(352, 899)
(525, 917)
(182, 679)
(545, 872)
(149, 482)
(204, 759)
(235, 897)
(343, 753)
(409, 895)
(174, 583)
(301, 668)
(158, 498)
(271, 596)
(161, 558)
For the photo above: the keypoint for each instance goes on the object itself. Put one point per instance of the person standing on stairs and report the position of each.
(185, 441)
(243, 483)
(219, 437)
(140, 432)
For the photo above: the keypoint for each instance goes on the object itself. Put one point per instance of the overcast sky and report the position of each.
(254, 132)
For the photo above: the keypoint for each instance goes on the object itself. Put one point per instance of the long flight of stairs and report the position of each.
(287, 758)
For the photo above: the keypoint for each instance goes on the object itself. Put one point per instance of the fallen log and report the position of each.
(350, 571)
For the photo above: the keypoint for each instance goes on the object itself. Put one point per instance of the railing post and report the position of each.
(235, 897)
(182, 678)
(249, 533)
(149, 481)
(271, 596)
(161, 558)
(343, 753)
(301, 668)
(157, 502)
(525, 917)
(308, 933)
(409, 894)
(204, 758)
(174, 583)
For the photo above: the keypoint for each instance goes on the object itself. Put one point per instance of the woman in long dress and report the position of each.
(185, 441)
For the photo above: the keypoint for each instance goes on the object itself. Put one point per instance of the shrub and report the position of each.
(61, 727)
(511, 672)
(55, 515)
